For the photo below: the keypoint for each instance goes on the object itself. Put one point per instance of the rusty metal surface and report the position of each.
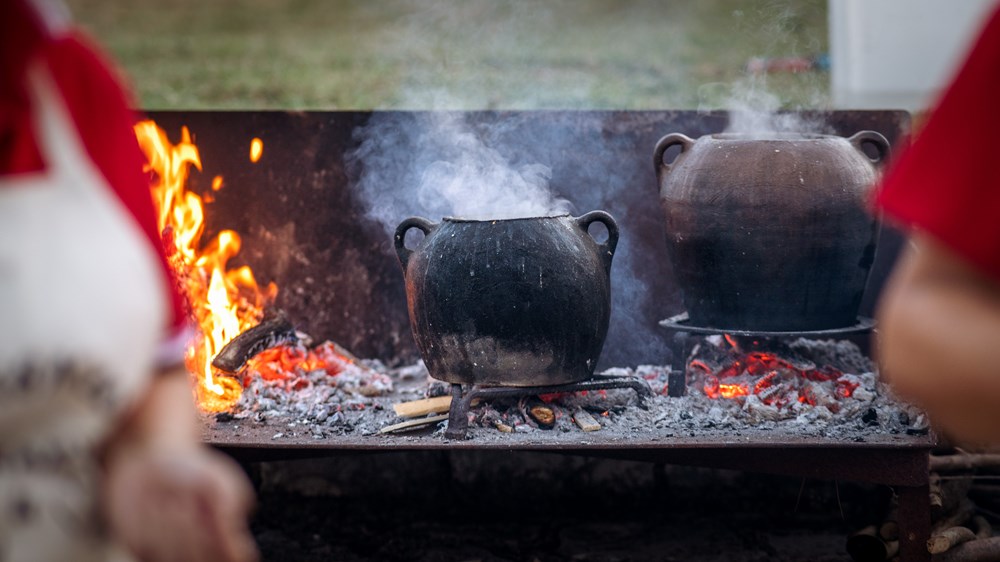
(887, 459)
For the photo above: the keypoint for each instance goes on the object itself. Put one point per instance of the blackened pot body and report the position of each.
(770, 233)
(515, 302)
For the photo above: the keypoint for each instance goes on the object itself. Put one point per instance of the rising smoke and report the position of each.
(436, 165)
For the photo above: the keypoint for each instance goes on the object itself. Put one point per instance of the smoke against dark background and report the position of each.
(433, 164)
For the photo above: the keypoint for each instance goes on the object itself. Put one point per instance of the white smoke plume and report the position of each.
(436, 165)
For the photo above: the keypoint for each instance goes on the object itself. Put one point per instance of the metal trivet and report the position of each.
(680, 324)
(461, 399)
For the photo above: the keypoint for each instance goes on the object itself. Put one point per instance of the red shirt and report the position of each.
(947, 183)
(97, 103)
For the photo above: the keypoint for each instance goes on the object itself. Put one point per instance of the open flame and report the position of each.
(224, 302)
(737, 374)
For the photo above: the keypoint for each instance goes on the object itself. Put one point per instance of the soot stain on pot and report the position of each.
(754, 243)
(498, 326)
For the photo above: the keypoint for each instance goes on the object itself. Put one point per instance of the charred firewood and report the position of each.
(964, 461)
(271, 332)
(982, 550)
(867, 546)
(502, 427)
(543, 415)
(948, 538)
(536, 413)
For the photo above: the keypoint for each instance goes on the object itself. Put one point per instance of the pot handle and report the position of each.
(402, 251)
(873, 138)
(663, 144)
(608, 247)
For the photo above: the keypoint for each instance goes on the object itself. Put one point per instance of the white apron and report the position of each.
(82, 307)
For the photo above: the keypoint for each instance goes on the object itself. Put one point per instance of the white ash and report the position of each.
(319, 402)
(844, 355)
(359, 401)
(870, 410)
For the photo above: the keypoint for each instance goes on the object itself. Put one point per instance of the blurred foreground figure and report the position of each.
(100, 456)
(940, 313)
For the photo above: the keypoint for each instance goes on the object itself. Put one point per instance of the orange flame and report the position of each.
(223, 302)
(256, 149)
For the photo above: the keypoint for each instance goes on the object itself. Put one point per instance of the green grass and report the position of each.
(473, 54)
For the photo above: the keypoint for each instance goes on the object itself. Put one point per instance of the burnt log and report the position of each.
(982, 550)
(965, 461)
(544, 416)
(948, 538)
(271, 332)
(867, 546)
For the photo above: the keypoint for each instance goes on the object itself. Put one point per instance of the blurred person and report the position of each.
(939, 316)
(100, 457)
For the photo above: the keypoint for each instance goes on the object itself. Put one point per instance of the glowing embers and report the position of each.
(290, 362)
(776, 377)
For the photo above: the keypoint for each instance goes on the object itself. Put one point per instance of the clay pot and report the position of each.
(516, 302)
(770, 233)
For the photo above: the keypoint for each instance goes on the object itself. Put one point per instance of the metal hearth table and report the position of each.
(897, 461)
(307, 228)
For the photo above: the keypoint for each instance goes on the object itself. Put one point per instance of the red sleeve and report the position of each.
(947, 183)
(96, 101)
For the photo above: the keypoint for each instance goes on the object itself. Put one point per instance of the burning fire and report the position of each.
(778, 382)
(256, 150)
(223, 302)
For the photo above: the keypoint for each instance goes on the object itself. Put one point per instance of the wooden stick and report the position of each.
(586, 421)
(982, 550)
(422, 407)
(946, 539)
(952, 463)
(413, 424)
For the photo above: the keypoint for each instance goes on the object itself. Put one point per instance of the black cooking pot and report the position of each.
(770, 232)
(514, 302)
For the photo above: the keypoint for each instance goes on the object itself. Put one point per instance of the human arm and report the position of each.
(168, 497)
(939, 339)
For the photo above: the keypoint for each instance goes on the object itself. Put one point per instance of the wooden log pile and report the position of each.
(964, 497)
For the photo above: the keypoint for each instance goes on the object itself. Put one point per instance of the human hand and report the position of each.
(187, 504)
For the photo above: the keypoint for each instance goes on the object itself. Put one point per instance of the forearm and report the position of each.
(939, 340)
(168, 497)
(164, 416)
